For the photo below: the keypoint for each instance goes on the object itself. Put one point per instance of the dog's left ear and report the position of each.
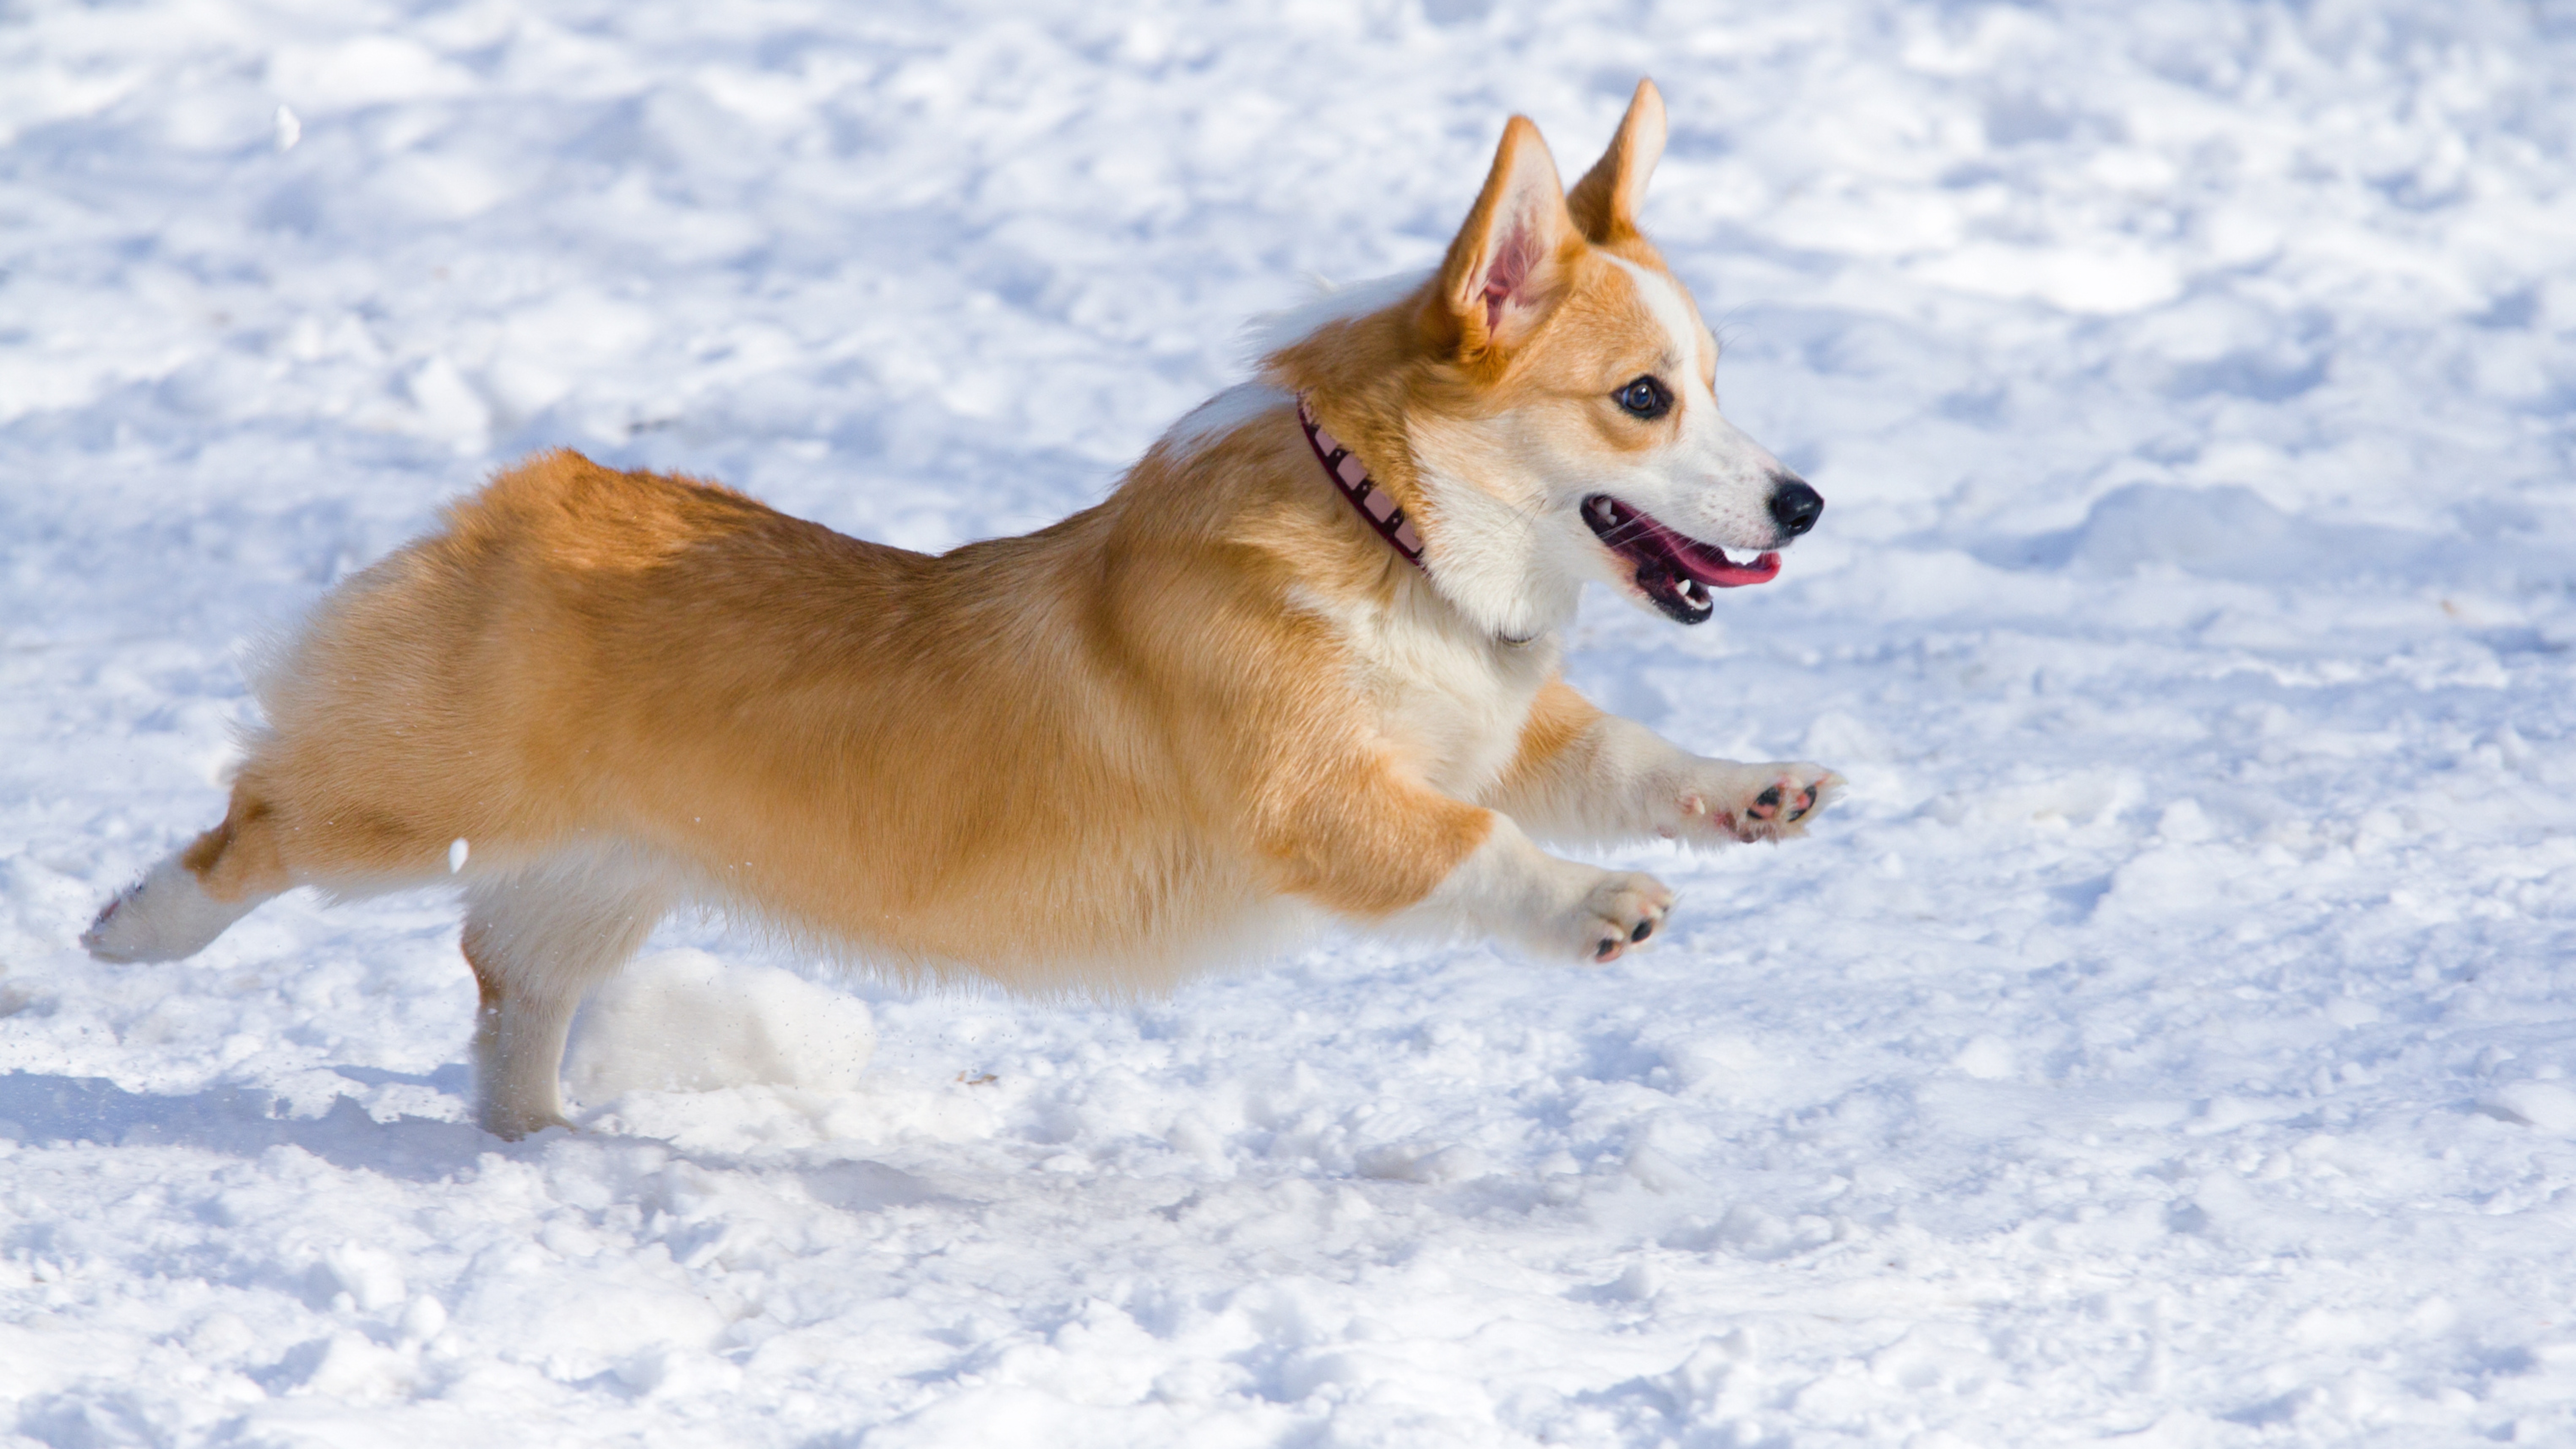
(1508, 263)
(1604, 203)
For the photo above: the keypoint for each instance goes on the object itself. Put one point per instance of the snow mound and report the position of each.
(2548, 1106)
(683, 1021)
(2225, 531)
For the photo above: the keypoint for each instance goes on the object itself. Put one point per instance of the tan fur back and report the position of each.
(1002, 756)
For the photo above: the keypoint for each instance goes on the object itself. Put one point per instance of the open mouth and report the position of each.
(1674, 570)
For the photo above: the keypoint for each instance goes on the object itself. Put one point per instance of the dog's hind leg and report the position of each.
(538, 941)
(191, 898)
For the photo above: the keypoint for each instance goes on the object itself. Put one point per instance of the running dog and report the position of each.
(1304, 659)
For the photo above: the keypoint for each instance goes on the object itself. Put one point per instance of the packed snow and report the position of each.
(2168, 1041)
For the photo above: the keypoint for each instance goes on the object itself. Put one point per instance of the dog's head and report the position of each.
(1555, 396)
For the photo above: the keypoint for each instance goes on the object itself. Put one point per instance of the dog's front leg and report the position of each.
(1582, 775)
(1379, 847)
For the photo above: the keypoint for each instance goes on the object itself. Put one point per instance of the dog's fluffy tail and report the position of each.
(165, 916)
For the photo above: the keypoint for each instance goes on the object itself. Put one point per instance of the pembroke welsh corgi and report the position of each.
(1304, 660)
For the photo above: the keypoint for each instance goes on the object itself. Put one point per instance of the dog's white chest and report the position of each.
(1453, 704)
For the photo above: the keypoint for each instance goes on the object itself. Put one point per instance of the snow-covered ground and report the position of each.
(2169, 1042)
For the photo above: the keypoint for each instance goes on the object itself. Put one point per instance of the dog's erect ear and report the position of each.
(1508, 263)
(1604, 202)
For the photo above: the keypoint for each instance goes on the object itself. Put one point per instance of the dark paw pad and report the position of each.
(1644, 929)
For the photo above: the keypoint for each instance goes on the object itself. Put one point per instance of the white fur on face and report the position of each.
(1510, 547)
(1711, 481)
(1498, 548)
(1505, 542)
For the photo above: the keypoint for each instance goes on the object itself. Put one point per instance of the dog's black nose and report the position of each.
(1794, 506)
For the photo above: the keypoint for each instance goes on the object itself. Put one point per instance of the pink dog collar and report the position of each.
(1351, 478)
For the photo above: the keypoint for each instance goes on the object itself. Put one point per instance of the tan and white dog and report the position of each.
(1305, 658)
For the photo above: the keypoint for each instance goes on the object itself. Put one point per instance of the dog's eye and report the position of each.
(1645, 398)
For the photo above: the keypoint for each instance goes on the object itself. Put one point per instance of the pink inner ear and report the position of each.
(1515, 258)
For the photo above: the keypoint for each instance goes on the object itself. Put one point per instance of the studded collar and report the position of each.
(1350, 478)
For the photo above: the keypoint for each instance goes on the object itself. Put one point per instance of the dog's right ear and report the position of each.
(1605, 201)
(1509, 262)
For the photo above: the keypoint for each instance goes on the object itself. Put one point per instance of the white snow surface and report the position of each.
(685, 1021)
(2167, 1042)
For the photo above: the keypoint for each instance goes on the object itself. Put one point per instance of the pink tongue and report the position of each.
(1721, 574)
(1711, 566)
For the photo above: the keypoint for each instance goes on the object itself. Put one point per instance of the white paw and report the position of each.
(516, 1123)
(166, 916)
(1621, 912)
(1753, 802)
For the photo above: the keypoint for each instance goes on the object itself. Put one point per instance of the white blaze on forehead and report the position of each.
(1665, 303)
(1708, 480)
